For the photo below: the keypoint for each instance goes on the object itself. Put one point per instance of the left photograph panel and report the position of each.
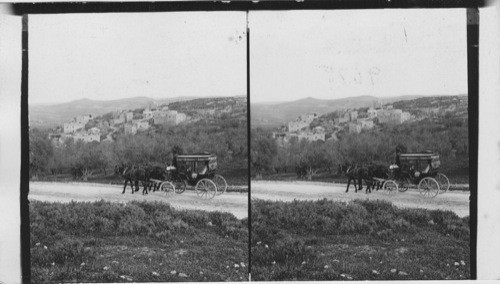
(138, 147)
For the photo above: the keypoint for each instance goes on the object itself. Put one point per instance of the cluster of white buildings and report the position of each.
(76, 129)
(150, 116)
(361, 124)
(350, 120)
(123, 117)
(93, 134)
(386, 116)
(354, 123)
(76, 123)
(130, 122)
(392, 116)
(300, 128)
(348, 116)
(87, 137)
(317, 133)
(170, 117)
(303, 121)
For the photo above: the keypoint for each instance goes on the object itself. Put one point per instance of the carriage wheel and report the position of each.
(429, 187)
(444, 183)
(180, 186)
(390, 186)
(221, 184)
(206, 189)
(404, 185)
(168, 187)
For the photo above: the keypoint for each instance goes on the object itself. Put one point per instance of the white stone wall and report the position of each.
(87, 138)
(142, 125)
(129, 116)
(354, 128)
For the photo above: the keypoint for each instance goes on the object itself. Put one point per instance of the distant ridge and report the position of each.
(60, 113)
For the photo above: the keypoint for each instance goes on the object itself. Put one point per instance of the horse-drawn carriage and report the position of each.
(420, 169)
(198, 170)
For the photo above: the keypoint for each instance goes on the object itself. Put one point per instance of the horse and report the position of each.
(358, 173)
(133, 175)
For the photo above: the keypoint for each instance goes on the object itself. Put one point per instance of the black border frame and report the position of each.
(26, 9)
(178, 6)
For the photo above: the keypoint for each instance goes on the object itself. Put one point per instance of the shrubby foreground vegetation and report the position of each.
(329, 240)
(137, 241)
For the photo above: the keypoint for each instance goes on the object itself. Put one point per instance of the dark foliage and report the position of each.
(75, 241)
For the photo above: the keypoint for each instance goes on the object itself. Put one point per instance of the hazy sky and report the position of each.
(334, 54)
(294, 54)
(159, 55)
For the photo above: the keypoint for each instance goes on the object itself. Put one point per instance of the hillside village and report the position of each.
(313, 127)
(88, 128)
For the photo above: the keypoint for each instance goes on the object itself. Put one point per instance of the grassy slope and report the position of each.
(138, 241)
(327, 240)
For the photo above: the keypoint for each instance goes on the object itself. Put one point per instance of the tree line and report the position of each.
(227, 138)
(448, 137)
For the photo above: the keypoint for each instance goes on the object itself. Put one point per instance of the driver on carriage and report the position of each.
(173, 167)
(396, 166)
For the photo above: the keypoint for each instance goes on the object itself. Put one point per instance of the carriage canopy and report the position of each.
(421, 159)
(209, 159)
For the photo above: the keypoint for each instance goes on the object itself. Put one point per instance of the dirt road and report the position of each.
(235, 203)
(456, 201)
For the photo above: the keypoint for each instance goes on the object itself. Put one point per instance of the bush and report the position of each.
(417, 217)
(355, 220)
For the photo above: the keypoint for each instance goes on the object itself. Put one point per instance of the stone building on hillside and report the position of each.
(303, 121)
(130, 128)
(170, 117)
(372, 113)
(76, 123)
(309, 136)
(354, 127)
(142, 125)
(119, 119)
(94, 130)
(129, 116)
(86, 137)
(341, 120)
(366, 124)
(148, 113)
(392, 116)
(294, 126)
(353, 115)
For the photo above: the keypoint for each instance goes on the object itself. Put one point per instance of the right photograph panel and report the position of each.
(359, 145)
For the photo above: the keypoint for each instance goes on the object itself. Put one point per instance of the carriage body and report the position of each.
(199, 171)
(417, 166)
(421, 169)
(194, 168)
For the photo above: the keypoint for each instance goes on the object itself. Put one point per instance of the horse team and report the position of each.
(371, 174)
(142, 174)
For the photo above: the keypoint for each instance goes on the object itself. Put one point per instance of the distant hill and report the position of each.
(50, 115)
(275, 114)
(235, 107)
